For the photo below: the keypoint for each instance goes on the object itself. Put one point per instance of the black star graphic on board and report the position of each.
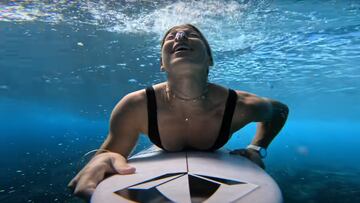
(201, 187)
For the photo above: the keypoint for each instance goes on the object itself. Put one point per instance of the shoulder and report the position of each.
(250, 99)
(131, 100)
(258, 108)
(243, 98)
(254, 107)
(131, 109)
(135, 102)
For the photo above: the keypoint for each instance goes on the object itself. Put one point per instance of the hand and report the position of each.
(85, 182)
(251, 154)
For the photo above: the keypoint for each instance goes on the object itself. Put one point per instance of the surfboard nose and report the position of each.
(190, 177)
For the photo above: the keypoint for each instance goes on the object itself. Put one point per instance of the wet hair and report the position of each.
(208, 49)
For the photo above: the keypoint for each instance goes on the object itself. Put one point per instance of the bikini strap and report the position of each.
(153, 131)
(224, 134)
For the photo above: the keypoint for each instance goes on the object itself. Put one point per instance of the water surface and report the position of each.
(65, 64)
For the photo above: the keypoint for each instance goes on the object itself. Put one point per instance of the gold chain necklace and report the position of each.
(195, 99)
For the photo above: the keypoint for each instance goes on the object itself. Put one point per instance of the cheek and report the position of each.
(167, 47)
(201, 46)
(203, 53)
(164, 58)
(166, 52)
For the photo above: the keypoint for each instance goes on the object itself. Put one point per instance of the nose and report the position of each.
(180, 36)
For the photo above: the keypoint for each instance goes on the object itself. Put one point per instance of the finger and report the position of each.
(254, 157)
(89, 179)
(121, 167)
(87, 183)
(262, 164)
(84, 193)
(87, 194)
(127, 170)
(236, 151)
(242, 152)
(72, 184)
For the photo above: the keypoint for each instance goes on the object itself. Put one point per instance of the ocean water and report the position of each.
(65, 64)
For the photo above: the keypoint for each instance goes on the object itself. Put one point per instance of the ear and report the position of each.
(162, 68)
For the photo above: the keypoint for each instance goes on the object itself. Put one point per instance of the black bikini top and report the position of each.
(224, 134)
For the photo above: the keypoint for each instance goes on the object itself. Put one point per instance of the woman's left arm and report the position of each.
(270, 116)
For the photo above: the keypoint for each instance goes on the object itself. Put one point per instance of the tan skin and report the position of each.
(187, 78)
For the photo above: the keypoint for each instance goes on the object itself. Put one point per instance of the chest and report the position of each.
(189, 128)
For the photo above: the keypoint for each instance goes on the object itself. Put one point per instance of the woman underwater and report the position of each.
(185, 112)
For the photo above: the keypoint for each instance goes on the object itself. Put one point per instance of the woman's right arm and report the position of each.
(127, 121)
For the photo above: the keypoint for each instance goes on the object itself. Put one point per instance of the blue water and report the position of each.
(65, 64)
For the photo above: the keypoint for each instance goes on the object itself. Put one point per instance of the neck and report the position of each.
(188, 88)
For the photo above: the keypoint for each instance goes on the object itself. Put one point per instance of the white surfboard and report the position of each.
(189, 177)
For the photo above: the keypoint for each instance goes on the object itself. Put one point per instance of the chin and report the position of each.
(187, 69)
(184, 62)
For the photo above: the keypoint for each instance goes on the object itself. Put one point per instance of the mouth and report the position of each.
(181, 48)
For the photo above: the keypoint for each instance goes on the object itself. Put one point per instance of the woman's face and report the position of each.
(184, 48)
